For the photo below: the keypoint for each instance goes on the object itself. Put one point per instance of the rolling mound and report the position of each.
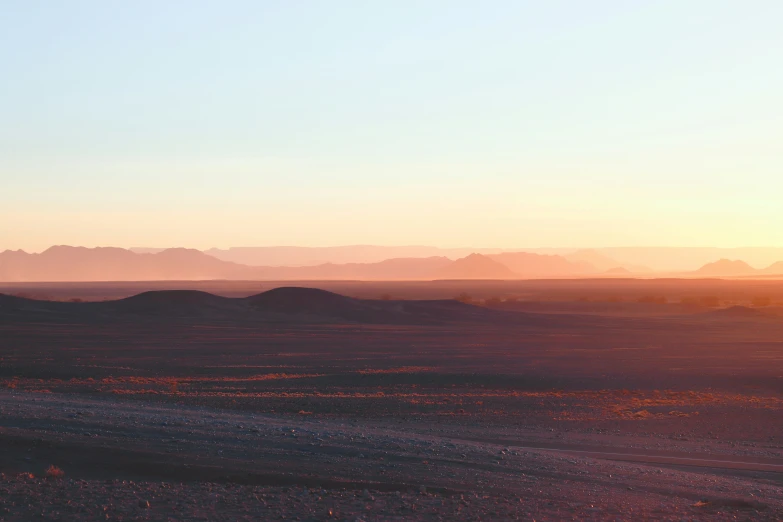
(311, 304)
(10, 301)
(738, 312)
(23, 309)
(174, 297)
(172, 302)
(297, 300)
(280, 305)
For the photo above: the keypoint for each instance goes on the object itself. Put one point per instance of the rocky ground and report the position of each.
(40, 499)
(130, 460)
(149, 414)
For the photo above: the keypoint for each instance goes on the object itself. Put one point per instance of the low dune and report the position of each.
(739, 312)
(286, 304)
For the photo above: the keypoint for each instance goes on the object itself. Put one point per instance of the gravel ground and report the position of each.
(127, 460)
(28, 498)
(202, 417)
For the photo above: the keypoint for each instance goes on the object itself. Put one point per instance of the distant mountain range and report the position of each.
(635, 259)
(313, 256)
(737, 268)
(476, 266)
(66, 263)
(604, 263)
(685, 259)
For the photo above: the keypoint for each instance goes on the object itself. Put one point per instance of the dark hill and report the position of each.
(312, 301)
(11, 301)
(174, 298)
(738, 312)
(177, 303)
(13, 308)
(286, 305)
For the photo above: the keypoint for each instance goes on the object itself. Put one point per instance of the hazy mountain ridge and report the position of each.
(726, 267)
(738, 268)
(295, 256)
(542, 265)
(605, 263)
(685, 259)
(65, 263)
(476, 266)
(635, 259)
(399, 268)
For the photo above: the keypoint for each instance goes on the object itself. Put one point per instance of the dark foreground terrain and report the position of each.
(300, 404)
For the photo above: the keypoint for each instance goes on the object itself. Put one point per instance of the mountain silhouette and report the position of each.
(476, 266)
(737, 312)
(773, 269)
(636, 259)
(726, 267)
(527, 265)
(67, 263)
(686, 259)
(294, 256)
(602, 262)
(389, 269)
(618, 271)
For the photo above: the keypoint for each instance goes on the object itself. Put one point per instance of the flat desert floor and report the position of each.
(302, 405)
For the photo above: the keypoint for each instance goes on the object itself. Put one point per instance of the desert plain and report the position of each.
(607, 399)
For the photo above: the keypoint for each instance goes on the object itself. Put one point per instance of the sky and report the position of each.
(506, 124)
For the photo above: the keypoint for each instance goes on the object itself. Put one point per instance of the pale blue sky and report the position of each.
(502, 123)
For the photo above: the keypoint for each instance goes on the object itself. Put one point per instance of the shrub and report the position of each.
(652, 299)
(464, 298)
(711, 301)
(54, 472)
(762, 301)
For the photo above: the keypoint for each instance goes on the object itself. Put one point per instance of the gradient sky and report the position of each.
(450, 123)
